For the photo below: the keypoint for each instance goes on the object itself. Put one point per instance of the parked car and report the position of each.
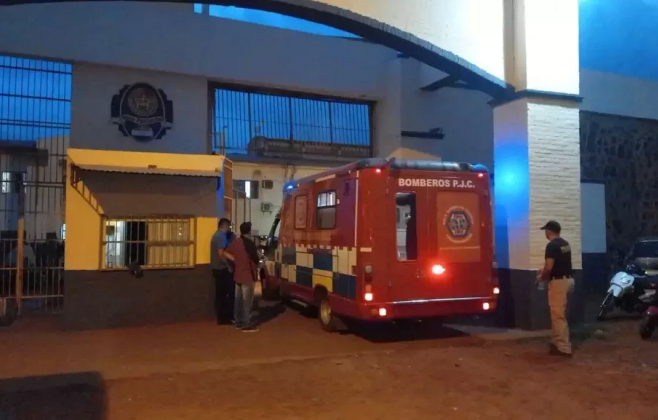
(644, 254)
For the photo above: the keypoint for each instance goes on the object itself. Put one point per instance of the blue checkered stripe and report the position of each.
(330, 267)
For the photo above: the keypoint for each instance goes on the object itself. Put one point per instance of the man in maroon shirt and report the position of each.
(244, 255)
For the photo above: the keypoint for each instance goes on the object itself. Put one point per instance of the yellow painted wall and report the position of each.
(83, 212)
(83, 227)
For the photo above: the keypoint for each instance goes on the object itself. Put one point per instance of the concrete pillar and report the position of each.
(536, 152)
(388, 111)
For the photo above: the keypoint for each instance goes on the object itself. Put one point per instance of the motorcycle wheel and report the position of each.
(647, 326)
(606, 306)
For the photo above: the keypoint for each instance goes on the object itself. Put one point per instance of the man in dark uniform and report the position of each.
(221, 272)
(558, 272)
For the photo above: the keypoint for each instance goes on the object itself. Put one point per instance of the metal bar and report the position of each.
(292, 136)
(3, 66)
(19, 248)
(250, 135)
(46, 98)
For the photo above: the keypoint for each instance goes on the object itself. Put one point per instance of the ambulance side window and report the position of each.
(405, 227)
(325, 211)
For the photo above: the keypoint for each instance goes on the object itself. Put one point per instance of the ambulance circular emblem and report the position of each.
(458, 222)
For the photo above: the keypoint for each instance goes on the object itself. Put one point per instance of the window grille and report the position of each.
(150, 242)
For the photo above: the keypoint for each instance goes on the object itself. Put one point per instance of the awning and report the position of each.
(119, 161)
(121, 184)
(151, 170)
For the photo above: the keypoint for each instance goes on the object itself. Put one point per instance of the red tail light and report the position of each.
(438, 269)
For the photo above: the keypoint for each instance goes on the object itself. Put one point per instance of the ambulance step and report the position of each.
(300, 303)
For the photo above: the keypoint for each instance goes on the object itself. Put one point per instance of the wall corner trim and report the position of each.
(537, 94)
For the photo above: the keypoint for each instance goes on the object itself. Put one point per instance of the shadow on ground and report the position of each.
(387, 332)
(405, 331)
(67, 396)
(268, 311)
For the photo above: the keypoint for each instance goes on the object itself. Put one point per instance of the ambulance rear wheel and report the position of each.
(325, 314)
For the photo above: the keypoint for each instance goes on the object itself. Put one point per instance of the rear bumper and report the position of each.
(425, 308)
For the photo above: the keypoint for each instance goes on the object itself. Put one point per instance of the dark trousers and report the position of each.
(224, 295)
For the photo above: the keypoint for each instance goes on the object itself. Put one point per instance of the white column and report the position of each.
(537, 142)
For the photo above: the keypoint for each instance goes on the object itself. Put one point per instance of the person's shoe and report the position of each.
(554, 351)
(250, 329)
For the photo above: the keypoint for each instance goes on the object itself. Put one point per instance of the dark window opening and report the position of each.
(11, 182)
(249, 189)
(325, 213)
(405, 229)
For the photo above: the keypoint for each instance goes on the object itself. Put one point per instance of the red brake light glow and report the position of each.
(378, 170)
(438, 269)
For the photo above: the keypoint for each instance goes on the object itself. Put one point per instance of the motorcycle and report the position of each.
(649, 321)
(630, 290)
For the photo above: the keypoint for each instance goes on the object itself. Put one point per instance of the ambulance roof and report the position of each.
(396, 164)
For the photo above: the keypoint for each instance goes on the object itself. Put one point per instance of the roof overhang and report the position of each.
(144, 163)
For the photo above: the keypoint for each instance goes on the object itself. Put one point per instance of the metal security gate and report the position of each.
(35, 109)
(241, 211)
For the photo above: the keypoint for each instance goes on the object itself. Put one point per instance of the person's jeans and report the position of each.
(244, 301)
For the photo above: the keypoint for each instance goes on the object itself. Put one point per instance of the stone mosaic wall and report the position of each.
(623, 152)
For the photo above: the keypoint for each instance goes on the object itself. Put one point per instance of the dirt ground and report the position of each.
(613, 375)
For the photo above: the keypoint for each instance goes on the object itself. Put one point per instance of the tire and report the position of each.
(606, 306)
(325, 314)
(647, 326)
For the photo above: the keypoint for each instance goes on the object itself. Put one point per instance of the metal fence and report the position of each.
(240, 116)
(35, 109)
(149, 242)
(241, 211)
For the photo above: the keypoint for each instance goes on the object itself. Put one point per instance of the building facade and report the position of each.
(439, 83)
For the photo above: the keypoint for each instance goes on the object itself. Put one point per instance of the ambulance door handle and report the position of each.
(419, 274)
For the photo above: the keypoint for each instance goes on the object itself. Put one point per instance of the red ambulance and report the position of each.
(387, 239)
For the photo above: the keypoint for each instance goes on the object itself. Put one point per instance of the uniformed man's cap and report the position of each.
(552, 226)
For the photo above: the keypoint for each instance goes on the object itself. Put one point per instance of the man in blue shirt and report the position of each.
(222, 272)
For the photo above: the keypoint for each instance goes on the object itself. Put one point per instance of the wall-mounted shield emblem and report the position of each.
(142, 112)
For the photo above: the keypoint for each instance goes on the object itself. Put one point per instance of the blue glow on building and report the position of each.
(619, 36)
(511, 192)
(272, 19)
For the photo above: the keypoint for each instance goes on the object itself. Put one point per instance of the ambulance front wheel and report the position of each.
(325, 314)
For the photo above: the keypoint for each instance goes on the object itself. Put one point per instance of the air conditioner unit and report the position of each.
(267, 184)
(266, 207)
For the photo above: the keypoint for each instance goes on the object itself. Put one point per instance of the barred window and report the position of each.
(151, 242)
